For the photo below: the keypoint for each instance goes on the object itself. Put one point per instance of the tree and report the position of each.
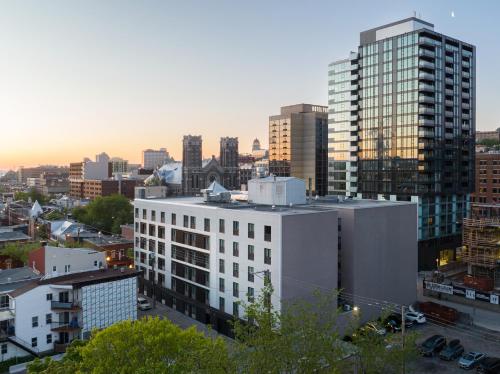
(302, 338)
(106, 213)
(149, 345)
(19, 251)
(32, 194)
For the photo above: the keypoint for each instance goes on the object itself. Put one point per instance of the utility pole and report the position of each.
(403, 330)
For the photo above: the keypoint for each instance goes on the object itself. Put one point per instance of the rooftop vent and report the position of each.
(215, 193)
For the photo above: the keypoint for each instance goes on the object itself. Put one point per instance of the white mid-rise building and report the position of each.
(208, 254)
(152, 158)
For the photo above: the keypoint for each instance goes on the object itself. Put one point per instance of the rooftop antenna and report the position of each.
(415, 13)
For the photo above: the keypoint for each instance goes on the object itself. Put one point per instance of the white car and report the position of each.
(415, 317)
(143, 304)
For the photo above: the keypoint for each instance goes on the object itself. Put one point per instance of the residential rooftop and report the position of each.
(9, 236)
(12, 279)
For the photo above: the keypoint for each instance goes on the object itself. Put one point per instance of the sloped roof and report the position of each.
(216, 188)
(36, 210)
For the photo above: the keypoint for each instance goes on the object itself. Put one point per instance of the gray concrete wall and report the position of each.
(379, 254)
(309, 254)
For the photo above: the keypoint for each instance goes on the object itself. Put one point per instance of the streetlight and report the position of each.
(355, 309)
(437, 264)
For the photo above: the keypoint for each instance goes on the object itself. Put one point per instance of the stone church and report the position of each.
(198, 174)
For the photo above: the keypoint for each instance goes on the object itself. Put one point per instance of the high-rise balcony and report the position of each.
(354, 66)
(466, 64)
(426, 99)
(426, 76)
(427, 41)
(449, 59)
(448, 124)
(353, 148)
(354, 128)
(426, 145)
(448, 80)
(448, 102)
(448, 92)
(353, 179)
(465, 84)
(448, 113)
(448, 70)
(426, 64)
(465, 105)
(353, 189)
(426, 122)
(354, 97)
(465, 116)
(448, 135)
(353, 138)
(426, 110)
(465, 95)
(465, 74)
(354, 117)
(353, 169)
(354, 87)
(64, 306)
(354, 77)
(465, 127)
(425, 133)
(353, 158)
(425, 87)
(354, 107)
(426, 53)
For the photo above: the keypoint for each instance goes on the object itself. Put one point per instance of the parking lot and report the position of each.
(473, 339)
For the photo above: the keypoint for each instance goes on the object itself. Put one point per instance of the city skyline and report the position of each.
(82, 78)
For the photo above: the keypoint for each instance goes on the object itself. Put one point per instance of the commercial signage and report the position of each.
(463, 292)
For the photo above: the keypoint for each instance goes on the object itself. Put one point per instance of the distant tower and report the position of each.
(191, 163)
(256, 145)
(229, 162)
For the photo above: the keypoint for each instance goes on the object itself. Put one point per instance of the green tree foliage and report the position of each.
(19, 251)
(149, 345)
(489, 142)
(55, 215)
(106, 213)
(33, 194)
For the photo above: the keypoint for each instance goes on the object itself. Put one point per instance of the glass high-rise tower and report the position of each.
(402, 125)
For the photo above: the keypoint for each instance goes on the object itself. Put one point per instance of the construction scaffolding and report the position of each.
(481, 248)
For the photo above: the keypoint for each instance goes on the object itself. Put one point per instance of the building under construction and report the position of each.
(481, 253)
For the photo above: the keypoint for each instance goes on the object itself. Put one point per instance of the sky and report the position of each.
(81, 77)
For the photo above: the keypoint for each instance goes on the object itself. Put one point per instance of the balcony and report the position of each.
(426, 99)
(353, 169)
(448, 135)
(465, 74)
(426, 64)
(354, 66)
(354, 128)
(426, 122)
(353, 179)
(426, 110)
(354, 97)
(426, 53)
(448, 81)
(465, 84)
(353, 138)
(426, 76)
(353, 148)
(71, 326)
(448, 124)
(465, 105)
(449, 59)
(354, 77)
(449, 70)
(354, 107)
(426, 87)
(353, 158)
(425, 133)
(354, 87)
(465, 116)
(354, 117)
(426, 145)
(448, 92)
(465, 127)
(64, 306)
(466, 64)
(427, 41)
(465, 95)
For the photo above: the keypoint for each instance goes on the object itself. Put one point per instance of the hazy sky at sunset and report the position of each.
(81, 77)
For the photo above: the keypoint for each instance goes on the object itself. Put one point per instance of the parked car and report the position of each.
(416, 317)
(489, 365)
(470, 360)
(374, 328)
(393, 323)
(143, 304)
(452, 351)
(432, 345)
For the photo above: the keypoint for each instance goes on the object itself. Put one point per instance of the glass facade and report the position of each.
(415, 125)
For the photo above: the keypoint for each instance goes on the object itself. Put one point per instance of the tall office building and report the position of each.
(298, 141)
(402, 126)
(152, 158)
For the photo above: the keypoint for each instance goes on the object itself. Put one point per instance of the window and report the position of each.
(221, 285)
(186, 221)
(221, 226)
(48, 318)
(34, 342)
(67, 268)
(49, 338)
(267, 256)
(4, 349)
(193, 222)
(4, 301)
(173, 219)
(136, 212)
(34, 321)
(267, 233)
(161, 232)
(153, 215)
(162, 217)
(235, 309)
(251, 231)
(221, 246)
(236, 228)
(236, 270)
(236, 249)
(236, 291)
(206, 224)
(250, 294)
(251, 274)
(221, 303)
(95, 262)
(49, 297)
(144, 214)
(221, 266)
(251, 252)
(54, 268)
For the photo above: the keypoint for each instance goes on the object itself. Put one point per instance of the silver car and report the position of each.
(470, 360)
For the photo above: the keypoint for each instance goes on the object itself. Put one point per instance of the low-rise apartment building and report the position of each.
(208, 254)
